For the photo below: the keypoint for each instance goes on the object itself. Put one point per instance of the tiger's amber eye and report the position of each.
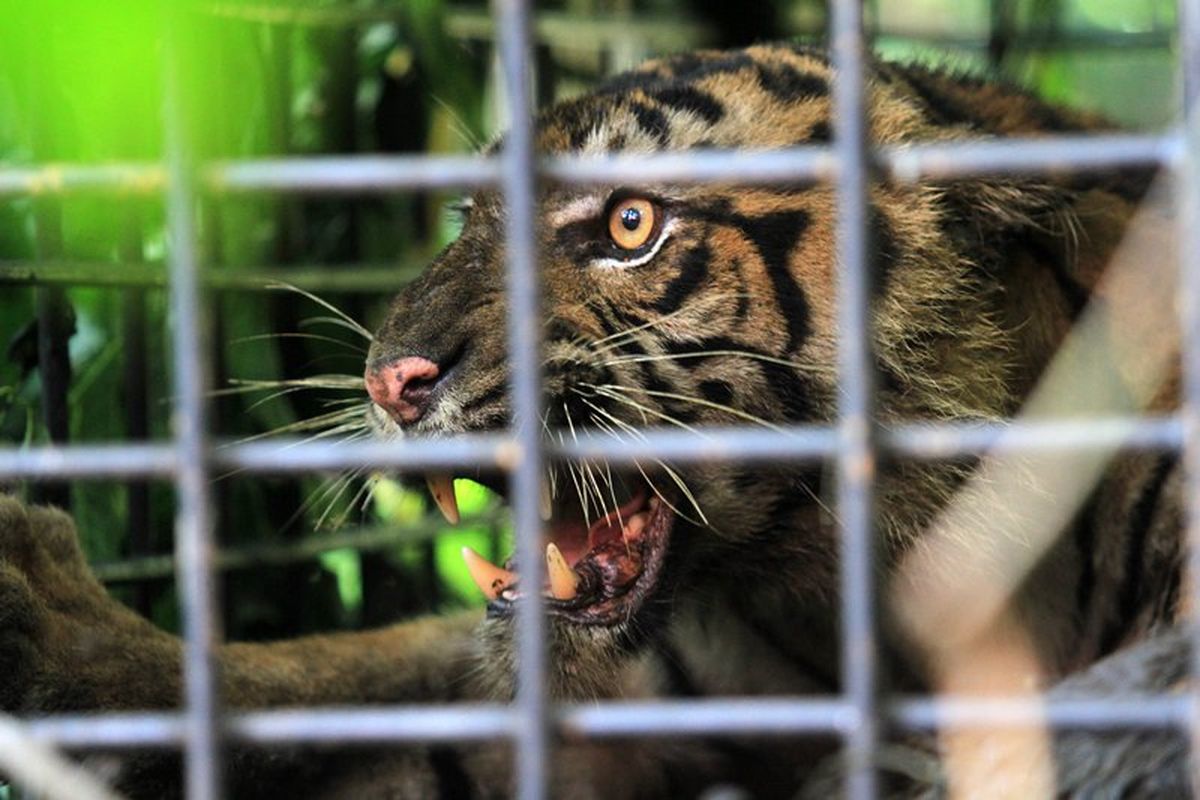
(631, 223)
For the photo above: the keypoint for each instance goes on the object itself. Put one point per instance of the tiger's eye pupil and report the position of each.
(631, 218)
(631, 223)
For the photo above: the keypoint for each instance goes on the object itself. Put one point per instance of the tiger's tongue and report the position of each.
(575, 539)
(608, 541)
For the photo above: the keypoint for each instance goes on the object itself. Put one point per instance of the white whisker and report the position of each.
(348, 320)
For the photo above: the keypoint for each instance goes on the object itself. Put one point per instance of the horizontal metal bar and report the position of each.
(801, 442)
(730, 716)
(799, 164)
(1026, 156)
(949, 439)
(356, 174)
(89, 461)
(356, 277)
(367, 539)
(117, 730)
(1068, 153)
(458, 723)
(282, 457)
(704, 445)
(328, 725)
(759, 716)
(1101, 713)
(53, 179)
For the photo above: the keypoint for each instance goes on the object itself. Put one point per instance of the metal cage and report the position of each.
(859, 712)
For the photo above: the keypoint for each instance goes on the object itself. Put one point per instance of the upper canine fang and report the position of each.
(441, 487)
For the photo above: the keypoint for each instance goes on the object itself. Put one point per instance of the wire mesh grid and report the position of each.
(857, 714)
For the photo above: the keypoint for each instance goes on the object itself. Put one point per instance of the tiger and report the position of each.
(682, 307)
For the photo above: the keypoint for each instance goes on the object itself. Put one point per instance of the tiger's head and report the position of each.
(690, 306)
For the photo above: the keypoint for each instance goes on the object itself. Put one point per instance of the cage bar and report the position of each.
(785, 443)
(340, 174)
(856, 398)
(524, 348)
(194, 520)
(703, 717)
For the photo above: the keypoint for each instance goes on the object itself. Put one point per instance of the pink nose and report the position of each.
(402, 387)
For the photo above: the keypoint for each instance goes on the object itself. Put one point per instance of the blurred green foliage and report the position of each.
(81, 81)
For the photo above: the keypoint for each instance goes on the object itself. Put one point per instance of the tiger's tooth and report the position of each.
(564, 583)
(442, 489)
(635, 525)
(547, 503)
(490, 579)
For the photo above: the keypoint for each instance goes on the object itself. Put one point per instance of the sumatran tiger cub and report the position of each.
(685, 306)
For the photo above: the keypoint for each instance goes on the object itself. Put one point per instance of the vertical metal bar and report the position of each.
(856, 457)
(193, 527)
(524, 339)
(1188, 198)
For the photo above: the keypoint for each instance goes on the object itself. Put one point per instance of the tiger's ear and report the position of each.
(1077, 222)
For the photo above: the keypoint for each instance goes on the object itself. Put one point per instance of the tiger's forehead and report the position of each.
(761, 98)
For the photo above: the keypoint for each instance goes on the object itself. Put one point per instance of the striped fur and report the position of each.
(733, 322)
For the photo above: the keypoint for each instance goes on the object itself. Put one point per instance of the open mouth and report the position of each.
(601, 565)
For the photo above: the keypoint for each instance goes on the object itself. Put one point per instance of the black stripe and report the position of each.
(1075, 294)
(939, 106)
(453, 782)
(885, 250)
(1169, 597)
(690, 99)
(718, 392)
(794, 394)
(1083, 534)
(1145, 511)
(627, 322)
(679, 680)
(788, 84)
(652, 122)
(693, 272)
(774, 235)
(743, 300)
(650, 378)
(814, 52)
(694, 68)
(577, 232)
(607, 323)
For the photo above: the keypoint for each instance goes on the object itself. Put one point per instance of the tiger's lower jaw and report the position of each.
(598, 574)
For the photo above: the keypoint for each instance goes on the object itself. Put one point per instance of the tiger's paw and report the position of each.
(64, 643)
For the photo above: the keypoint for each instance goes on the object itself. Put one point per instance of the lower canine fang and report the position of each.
(490, 579)
(564, 583)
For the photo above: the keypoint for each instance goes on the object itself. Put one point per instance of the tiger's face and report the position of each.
(684, 307)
